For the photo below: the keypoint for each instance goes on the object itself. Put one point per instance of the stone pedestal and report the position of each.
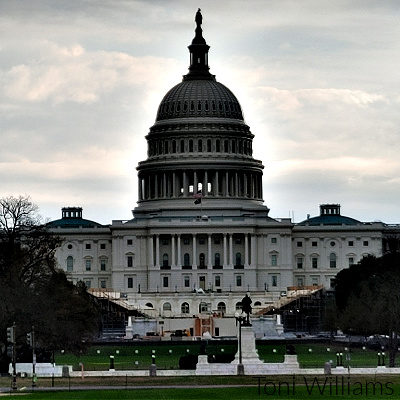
(290, 361)
(249, 352)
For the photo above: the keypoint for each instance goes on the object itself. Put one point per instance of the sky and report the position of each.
(318, 82)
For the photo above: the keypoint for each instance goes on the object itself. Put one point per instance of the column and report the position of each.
(231, 250)
(194, 182)
(253, 251)
(225, 252)
(173, 251)
(158, 251)
(164, 185)
(185, 184)
(236, 185)
(179, 251)
(226, 184)
(149, 187)
(151, 251)
(156, 191)
(216, 184)
(245, 184)
(209, 265)
(205, 184)
(174, 185)
(252, 184)
(246, 250)
(140, 188)
(194, 262)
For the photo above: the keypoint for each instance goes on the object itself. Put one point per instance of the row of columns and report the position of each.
(176, 256)
(228, 183)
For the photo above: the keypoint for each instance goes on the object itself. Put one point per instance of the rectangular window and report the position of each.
(351, 243)
(314, 262)
(217, 240)
(238, 280)
(88, 265)
(130, 283)
(164, 242)
(186, 281)
(88, 284)
(300, 281)
(185, 241)
(129, 242)
(216, 330)
(274, 240)
(88, 246)
(129, 261)
(165, 281)
(103, 284)
(299, 262)
(299, 244)
(351, 261)
(202, 241)
(217, 280)
(314, 281)
(103, 264)
(314, 244)
(238, 241)
(102, 246)
(274, 260)
(274, 280)
(365, 243)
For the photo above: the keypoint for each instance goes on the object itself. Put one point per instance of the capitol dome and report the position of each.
(199, 98)
(199, 147)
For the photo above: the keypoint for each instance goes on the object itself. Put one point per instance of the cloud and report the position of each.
(74, 74)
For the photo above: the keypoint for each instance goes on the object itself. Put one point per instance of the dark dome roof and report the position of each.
(73, 223)
(199, 98)
(330, 220)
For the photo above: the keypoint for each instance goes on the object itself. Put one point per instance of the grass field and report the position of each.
(239, 393)
(167, 356)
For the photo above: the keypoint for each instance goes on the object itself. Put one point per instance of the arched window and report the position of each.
(191, 106)
(149, 305)
(165, 260)
(166, 307)
(217, 260)
(241, 147)
(221, 307)
(70, 264)
(166, 150)
(238, 306)
(199, 105)
(202, 259)
(217, 146)
(226, 147)
(185, 106)
(257, 304)
(182, 146)
(174, 146)
(206, 105)
(332, 260)
(185, 308)
(238, 259)
(186, 260)
(233, 146)
(214, 107)
(199, 145)
(191, 146)
(209, 145)
(178, 106)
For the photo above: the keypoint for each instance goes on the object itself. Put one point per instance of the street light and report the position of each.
(240, 319)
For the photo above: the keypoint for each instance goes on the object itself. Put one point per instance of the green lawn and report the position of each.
(167, 356)
(241, 393)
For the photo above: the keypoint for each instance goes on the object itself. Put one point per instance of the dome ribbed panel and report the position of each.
(199, 98)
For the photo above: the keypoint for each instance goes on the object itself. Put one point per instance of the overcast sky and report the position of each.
(318, 81)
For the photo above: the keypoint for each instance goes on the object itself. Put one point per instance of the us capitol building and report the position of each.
(200, 237)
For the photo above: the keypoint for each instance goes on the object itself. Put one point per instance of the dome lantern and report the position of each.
(198, 68)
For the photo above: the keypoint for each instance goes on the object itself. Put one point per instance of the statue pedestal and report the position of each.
(249, 352)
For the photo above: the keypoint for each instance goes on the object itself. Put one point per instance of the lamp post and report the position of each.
(240, 319)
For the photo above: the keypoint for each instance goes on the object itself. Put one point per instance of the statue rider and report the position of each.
(246, 308)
